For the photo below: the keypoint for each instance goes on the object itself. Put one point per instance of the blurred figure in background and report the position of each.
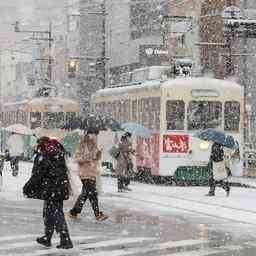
(15, 146)
(124, 165)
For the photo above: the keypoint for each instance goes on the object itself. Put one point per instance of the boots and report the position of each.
(72, 215)
(44, 240)
(65, 241)
(101, 216)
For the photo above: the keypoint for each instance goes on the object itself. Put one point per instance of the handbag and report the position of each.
(114, 152)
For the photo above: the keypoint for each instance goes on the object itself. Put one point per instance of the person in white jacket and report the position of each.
(15, 146)
(219, 168)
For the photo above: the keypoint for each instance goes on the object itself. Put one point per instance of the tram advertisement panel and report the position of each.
(148, 153)
(175, 143)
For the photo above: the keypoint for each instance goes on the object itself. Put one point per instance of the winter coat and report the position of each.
(49, 180)
(87, 156)
(124, 159)
(15, 145)
(220, 169)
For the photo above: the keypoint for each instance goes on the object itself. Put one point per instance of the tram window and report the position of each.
(60, 119)
(140, 111)
(122, 110)
(156, 103)
(126, 110)
(70, 116)
(35, 119)
(134, 111)
(204, 114)
(175, 114)
(232, 116)
(49, 120)
(145, 114)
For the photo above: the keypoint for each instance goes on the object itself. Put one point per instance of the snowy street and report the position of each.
(152, 220)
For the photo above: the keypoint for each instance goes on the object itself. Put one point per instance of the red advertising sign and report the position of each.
(175, 143)
(147, 151)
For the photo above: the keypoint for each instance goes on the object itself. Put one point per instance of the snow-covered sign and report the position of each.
(181, 27)
(232, 12)
(233, 22)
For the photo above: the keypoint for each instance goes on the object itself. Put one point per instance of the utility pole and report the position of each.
(39, 35)
(104, 69)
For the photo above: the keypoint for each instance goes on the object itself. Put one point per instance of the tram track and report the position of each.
(204, 203)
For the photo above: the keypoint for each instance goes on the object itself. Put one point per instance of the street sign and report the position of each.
(232, 12)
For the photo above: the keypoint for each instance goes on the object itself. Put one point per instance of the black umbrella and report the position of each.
(73, 123)
(93, 121)
(100, 123)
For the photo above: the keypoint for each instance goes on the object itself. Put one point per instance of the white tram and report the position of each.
(174, 109)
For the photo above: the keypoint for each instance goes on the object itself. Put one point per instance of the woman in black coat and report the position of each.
(49, 182)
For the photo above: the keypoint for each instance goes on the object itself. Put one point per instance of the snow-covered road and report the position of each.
(173, 217)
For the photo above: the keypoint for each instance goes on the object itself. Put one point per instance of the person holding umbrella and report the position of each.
(219, 168)
(220, 158)
(124, 162)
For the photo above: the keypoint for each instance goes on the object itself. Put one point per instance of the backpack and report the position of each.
(217, 154)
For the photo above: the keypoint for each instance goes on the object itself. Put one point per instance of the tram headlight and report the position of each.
(204, 145)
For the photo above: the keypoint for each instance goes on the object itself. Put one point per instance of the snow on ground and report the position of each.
(240, 207)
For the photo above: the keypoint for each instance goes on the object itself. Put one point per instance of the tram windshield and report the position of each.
(204, 114)
(53, 120)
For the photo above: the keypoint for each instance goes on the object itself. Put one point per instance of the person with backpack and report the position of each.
(124, 166)
(219, 168)
(49, 182)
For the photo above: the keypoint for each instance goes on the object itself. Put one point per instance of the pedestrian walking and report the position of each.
(219, 168)
(236, 163)
(87, 157)
(15, 146)
(49, 182)
(124, 166)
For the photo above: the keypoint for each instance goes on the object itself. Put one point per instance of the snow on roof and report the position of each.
(201, 82)
(171, 83)
(240, 22)
(38, 104)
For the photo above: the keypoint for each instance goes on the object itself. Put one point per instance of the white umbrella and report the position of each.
(19, 128)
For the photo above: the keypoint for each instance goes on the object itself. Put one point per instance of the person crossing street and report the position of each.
(49, 182)
(87, 157)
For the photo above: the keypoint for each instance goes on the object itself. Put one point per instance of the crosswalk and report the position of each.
(25, 245)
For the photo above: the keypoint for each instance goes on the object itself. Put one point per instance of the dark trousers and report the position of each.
(120, 182)
(213, 183)
(54, 218)
(88, 191)
(14, 162)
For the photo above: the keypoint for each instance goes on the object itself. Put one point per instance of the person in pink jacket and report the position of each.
(87, 157)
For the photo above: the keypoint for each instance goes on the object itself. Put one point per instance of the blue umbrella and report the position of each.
(137, 130)
(217, 136)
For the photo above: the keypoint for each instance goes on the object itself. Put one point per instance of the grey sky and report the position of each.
(31, 14)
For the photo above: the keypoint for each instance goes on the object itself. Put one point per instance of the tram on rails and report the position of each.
(174, 110)
(44, 115)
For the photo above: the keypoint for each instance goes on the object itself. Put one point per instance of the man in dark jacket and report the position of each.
(49, 182)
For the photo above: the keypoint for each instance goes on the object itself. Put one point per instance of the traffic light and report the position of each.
(72, 68)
